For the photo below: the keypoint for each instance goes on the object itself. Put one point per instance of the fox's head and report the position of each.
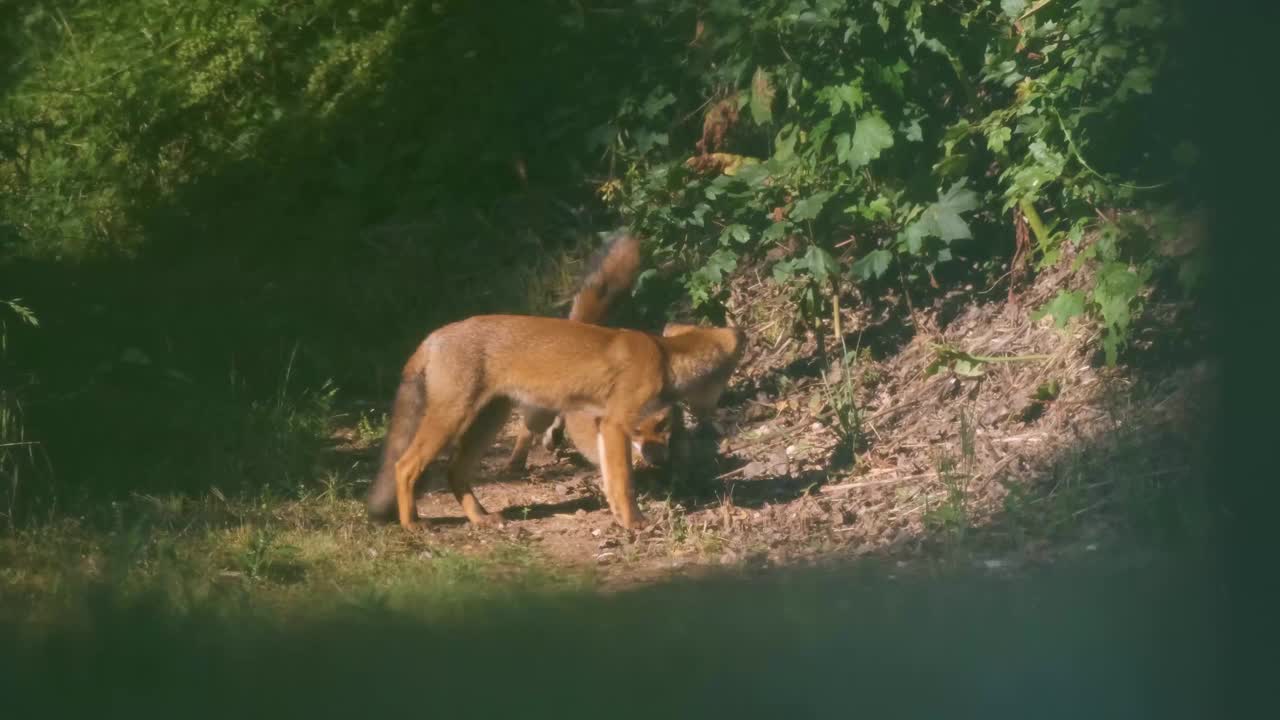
(651, 438)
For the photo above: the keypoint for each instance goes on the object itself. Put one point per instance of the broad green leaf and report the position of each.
(784, 147)
(776, 231)
(1013, 8)
(959, 198)
(820, 263)
(911, 131)
(997, 137)
(752, 175)
(872, 265)
(762, 94)
(784, 270)
(1063, 307)
(808, 208)
(843, 142)
(851, 95)
(871, 136)
(656, 104)
(737, 232)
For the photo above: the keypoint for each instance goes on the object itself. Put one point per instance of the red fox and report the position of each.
(460, 385)
(614, 274)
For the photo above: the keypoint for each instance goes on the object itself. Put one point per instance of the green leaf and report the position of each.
(871, 137)
(850, 94)
(872, 265)
(656, 104)
(808, 208)
(1063, 307)
(942, 218)
(762, 94)
(737, 232)
(784, 147)
(997, 137)
(1013, 8)
(784, 270)
(820, 263)
(843, 143)
(877, 209)
(775, 232)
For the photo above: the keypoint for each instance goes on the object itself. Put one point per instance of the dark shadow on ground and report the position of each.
(1066, 642)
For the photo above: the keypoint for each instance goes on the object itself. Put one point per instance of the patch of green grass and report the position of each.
(293, 555)
(950, 516)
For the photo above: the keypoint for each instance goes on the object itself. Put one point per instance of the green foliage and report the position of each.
(17, 453)
(913, 126)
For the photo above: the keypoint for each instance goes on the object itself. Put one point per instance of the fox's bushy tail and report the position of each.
(612, 272)
(406, 414)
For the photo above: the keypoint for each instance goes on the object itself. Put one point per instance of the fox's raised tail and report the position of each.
(612, 273)
(406, 414)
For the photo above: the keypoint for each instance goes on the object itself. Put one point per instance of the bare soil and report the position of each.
(1035, 451)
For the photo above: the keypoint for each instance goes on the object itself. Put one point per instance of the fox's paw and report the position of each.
(633, 521)
(488, 520)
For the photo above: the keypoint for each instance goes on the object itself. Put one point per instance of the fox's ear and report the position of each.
(674, 329)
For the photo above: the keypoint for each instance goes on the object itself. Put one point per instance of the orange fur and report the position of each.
(460, 385)
(614, 274)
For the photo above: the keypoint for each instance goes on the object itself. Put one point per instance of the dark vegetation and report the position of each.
(224, 225)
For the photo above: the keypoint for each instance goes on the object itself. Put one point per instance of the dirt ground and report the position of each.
(977, 430)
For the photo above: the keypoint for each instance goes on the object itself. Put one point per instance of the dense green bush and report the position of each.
(900, 131)
(223, 188)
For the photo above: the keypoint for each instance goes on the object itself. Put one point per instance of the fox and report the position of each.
(462, 382)
(613, 274)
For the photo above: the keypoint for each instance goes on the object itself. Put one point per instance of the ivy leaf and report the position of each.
(1062, 308)
(871, 136)
(808, 208)
(762, 94)
(872, 265)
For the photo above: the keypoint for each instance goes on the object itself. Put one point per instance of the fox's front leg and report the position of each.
(615, 464)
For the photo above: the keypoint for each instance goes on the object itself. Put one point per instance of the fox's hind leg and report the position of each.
(536, 422)
(466, 458)
(452, 407)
